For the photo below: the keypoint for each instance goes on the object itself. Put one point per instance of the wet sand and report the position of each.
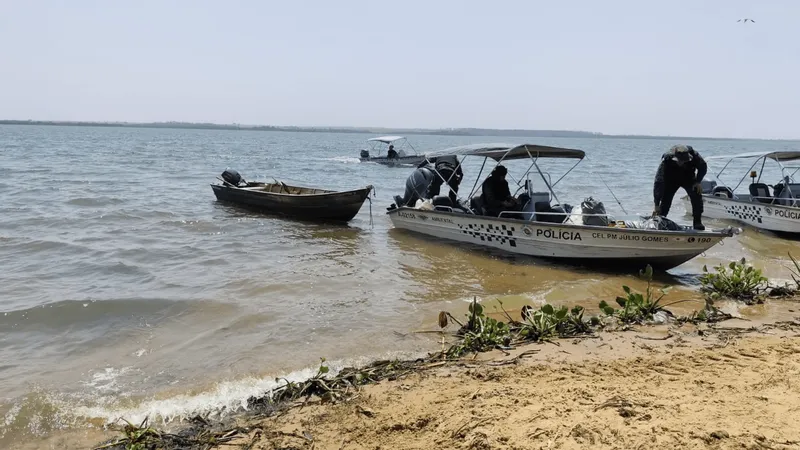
(685, 387)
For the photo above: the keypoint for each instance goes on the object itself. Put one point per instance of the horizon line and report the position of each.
(447, 131)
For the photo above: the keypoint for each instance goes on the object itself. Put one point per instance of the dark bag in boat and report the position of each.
(594, 212)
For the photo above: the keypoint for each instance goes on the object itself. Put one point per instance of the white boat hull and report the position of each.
(776, 218)
(608, 246)
(403, 160)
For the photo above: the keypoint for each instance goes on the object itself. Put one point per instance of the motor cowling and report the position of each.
(365, 153)
(232, 177)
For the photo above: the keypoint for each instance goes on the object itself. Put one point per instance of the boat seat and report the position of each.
(722, 191)
(544, 207)
(784, 196)
(708, 186)
(760, 192)
(476, 204)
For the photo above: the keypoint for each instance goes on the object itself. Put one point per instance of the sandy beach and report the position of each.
(733, 386)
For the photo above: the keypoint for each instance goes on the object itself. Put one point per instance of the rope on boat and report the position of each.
(369, 197)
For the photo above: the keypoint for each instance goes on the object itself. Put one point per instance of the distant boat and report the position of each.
(403, 158)
(300, 202)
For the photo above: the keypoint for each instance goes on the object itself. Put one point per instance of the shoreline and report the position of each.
(552, 354)
(650, 386)
(626, 390)
(376, 413)
(370, 405)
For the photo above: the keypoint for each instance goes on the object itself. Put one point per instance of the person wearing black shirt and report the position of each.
(680, 167)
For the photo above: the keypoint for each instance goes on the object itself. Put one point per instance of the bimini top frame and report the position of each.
(387, 140)
(779, 157)
(502, 152)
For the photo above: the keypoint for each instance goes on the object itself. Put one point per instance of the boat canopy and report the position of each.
(386, 139)
(788, 155)
(499, 152)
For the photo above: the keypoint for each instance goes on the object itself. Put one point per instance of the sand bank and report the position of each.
(688, 387)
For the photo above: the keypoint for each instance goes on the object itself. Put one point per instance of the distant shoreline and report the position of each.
(370, 130)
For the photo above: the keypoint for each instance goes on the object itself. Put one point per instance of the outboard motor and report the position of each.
(365, 153)
(416, 187)
(231, 176)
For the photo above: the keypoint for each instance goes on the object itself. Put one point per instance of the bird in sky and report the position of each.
(745, 20)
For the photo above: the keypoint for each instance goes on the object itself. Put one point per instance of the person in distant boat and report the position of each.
(680, 167)
(392, 154)
(496, 197)
(446, 170)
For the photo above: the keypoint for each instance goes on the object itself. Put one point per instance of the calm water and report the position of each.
(126, 289)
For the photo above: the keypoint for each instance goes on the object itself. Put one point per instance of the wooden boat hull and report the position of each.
(304, 203)
(764, 216)
(609, 247)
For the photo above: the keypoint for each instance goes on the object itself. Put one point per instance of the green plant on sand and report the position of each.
(482, 333)
(636, 307)
(739, 281)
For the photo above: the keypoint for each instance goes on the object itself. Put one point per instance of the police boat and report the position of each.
(542, 226)
(773, 208)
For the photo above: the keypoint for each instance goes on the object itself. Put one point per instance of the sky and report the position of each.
(680, 67)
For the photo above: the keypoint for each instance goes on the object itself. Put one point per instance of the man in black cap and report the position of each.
(681, 167)
(448, 170)
(496, 196)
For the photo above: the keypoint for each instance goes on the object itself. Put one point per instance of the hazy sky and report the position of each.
(681, 67)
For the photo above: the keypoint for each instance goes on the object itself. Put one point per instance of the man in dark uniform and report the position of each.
(448, 170)
(392, 153)
(495, 195)
(681, 167)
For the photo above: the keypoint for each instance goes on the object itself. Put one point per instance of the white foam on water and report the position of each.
(344, 159)
(222, 399)
(106, 381)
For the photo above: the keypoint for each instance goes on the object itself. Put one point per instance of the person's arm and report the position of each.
(658, 184)
(702, 167)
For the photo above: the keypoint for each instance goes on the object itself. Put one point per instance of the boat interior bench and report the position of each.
(281, 188)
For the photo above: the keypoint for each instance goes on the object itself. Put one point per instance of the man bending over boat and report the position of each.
(447, 170)
(681, 167)
(425, 182)
(496, 197)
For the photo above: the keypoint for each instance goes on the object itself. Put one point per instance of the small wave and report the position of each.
(14, 246)
(224, 398)
(95, 201)
(344, 159)
(69, 313)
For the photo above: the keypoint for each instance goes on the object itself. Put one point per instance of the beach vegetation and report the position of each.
(738, 280)
(637, 307)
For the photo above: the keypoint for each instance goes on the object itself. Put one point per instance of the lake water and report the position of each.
(127, 290)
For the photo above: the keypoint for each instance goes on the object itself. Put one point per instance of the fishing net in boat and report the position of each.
(654, 223)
